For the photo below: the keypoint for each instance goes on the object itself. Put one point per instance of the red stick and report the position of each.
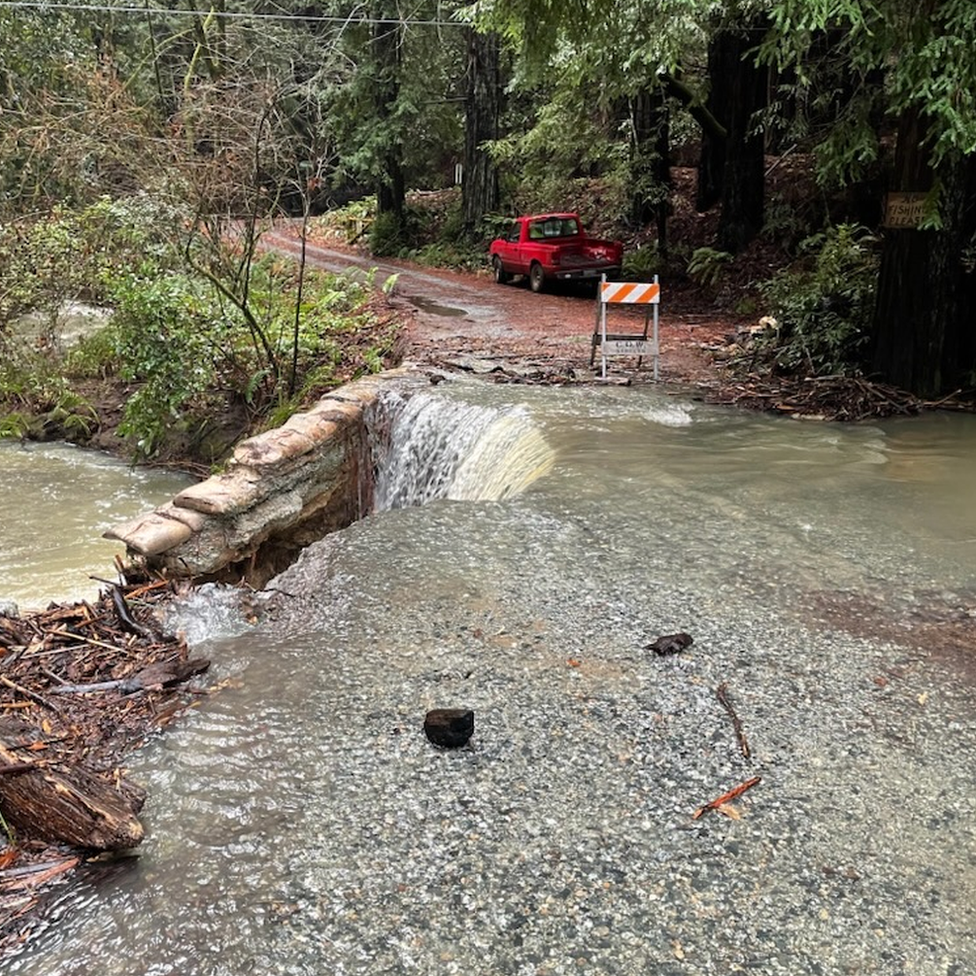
(725, 797)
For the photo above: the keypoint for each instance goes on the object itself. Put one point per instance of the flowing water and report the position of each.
(299, 822)
(55, 503)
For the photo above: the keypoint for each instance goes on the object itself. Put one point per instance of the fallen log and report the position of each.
(70, 805)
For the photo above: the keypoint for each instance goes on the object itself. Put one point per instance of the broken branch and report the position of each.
(32, 695)
(726, 797)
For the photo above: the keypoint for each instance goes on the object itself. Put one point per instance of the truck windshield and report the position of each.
(553, 227)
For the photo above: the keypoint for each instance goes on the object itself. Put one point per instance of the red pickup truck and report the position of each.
(553, 247)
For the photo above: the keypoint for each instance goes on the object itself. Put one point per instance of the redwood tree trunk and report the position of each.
(479, 185)
(650, 165)
(711, 161)
(922, 333)
(387, 39)
(745, 88)
(905, 304)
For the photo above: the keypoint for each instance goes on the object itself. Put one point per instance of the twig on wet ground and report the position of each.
(727, 797)
(722, 693)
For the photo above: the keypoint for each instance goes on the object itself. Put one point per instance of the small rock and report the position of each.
(670, 644)
(8, 608)
(449, 727)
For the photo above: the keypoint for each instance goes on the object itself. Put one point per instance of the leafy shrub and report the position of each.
(36, 399)
(185, 335)
(387, 235)
(824, 307)
(40, 262)
(175, 338)
(162, 334)
(94, 355)
(66, 255)
(443, 254)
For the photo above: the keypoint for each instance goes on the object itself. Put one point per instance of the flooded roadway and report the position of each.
(300, 823)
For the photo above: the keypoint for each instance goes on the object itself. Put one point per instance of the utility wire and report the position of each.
(43, 7)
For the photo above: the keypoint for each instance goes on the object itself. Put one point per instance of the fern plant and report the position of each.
(707, 266)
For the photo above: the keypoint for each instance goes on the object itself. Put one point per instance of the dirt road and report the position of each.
(468, 320)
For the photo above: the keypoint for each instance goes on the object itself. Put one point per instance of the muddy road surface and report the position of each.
(469, 321)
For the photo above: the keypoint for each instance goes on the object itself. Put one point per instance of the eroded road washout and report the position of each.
(301, 823)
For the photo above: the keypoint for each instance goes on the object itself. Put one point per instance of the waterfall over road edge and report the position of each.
(436, 447)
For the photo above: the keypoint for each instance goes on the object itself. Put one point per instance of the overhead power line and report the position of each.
(43, 7)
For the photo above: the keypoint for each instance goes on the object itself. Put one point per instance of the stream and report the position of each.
(524, 557)
(56, 502)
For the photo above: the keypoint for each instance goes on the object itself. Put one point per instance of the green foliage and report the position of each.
(746, 307)
(923, 51)
(382, 108)
(163, 344)
(40, 264)
(430, 232)
(65, 255)
(565, 138)
(824, 306)
(178, 333)
(94, 356)
(787, 221)
(445, 254)
(46, 60)
(707, 266)
(36, 399)
(14, 425)
(642, 263)
(388, 235)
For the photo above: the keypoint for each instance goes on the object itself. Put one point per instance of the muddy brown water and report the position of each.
(300, 823)
(56, 501)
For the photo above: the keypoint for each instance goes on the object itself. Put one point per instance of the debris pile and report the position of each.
(843, 398)
(80, 686)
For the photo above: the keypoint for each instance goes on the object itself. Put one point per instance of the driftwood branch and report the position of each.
(32, 695)
(60, 740)
(156, 676)
(70, 806)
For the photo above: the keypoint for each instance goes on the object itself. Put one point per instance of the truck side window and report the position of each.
(535, 232)
(513, 234)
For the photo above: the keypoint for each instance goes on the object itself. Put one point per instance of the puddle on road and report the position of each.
(426, 305)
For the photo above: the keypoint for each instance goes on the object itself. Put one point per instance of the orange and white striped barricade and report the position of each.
(647, 295)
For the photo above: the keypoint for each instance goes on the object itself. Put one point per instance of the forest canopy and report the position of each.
(238, 111)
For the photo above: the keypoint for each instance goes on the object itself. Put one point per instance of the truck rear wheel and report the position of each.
(502, 277)
(537, 277)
